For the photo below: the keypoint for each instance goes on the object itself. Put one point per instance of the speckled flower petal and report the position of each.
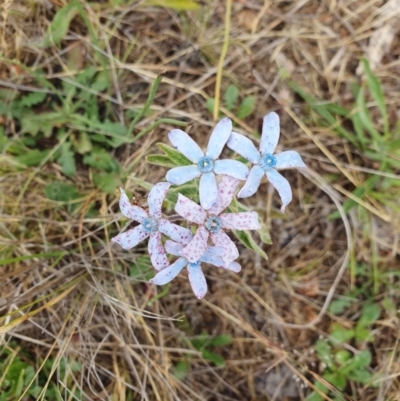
(186, 145)
(233, 168)
(282, 185)
(173, 248)
(289, 159)
(244, 147)
(233, 266)
(252, 183)
(240, 221)
(270, 133)
(226, 192)
(213, 255)
(230, 251)
(130, 211)
(189, 210)
(197, 245)
(197, 280)
(156, 198)
(131, 238)
(180, 175)
(157, 253)
(169, 273)
(208, 190)
(218, 138)
(177, 233)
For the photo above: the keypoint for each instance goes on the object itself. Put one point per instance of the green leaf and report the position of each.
(32, 158)
(338, 306)
(231, 96)
(360, 361)
(82, 143)
(142, 269)
(160, 160)
(181, 369)
(67, 160)
(189, 190)
(60, 25)
(107, 182)
(32, 99)
(220, 341)
(144, 184)
(370, 314)
(375, 88)
(213, 357)
(247, 240)
(61, 192)
(101, 159)
(44, 122)
(176, 157)
(210, 104)
(324, 352)
(342, 356)
(179, 5)
(340, 334)
(336, 379)
(360, 376)
(246, 107)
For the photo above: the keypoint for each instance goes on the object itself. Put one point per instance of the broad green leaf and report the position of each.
(67, 160)
(338, 306)
(142, 269)
(179, 5)
(32, 158)
(60, 25)
(335, 378)
(176, 157)
(324, 351)
(210, 104)
(220, 341)
(361, 360)
(231, 96)
(246, 107)
(181, 369)
(213, 357)
(375, 88)
(360, 376)
(370, 314)
(342, 356)
(107, 182)
(340, 334)
(160, 160)
(61, 192)
(247, 240)
(101, 159)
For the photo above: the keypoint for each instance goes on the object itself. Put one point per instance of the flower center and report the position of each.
(267, 161)
(206, 164)
(194, 264)
(150, 225)
(213, 224)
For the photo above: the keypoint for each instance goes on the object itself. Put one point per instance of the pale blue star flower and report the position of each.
(265, 161)
(197, 280)
(205, 164)
(151, 225)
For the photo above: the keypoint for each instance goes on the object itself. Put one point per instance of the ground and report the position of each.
(318, 319)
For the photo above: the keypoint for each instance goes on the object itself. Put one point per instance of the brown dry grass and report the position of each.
(82, 304)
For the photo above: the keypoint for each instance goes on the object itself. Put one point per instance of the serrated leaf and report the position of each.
(101, 160)
(176, 157)
(231, 96)
(67, 160)
(179, 5)
(60, 25)
(32, 99)
(246, 107)
(34, 123)
(107, 182)
(160, 160)
(32, 158)
(61, 192)
(247, 240)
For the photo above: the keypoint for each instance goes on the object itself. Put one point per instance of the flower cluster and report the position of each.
(209, 220)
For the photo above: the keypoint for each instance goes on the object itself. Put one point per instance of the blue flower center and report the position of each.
(213, 224)
(150, 225)
(195, 264)
(206, 164)
(267, 161)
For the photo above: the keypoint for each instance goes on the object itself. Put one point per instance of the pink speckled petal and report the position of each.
(282, 185)
(131, 238)
(173, 248)
(233, 168)
(197, 245)
(240, 221)
(189, 210)
(157, 253)
(218, 138)
(156, 198)
(208, 190)
(230, 251)
(197, 279)
(226, 192)
(130, 211)
(169, 273)
(270, 133)
(252, 183)
(289, 159)
(244, 147)
(186, 145)
(233, 266)
(182, 174)
(177, 233)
